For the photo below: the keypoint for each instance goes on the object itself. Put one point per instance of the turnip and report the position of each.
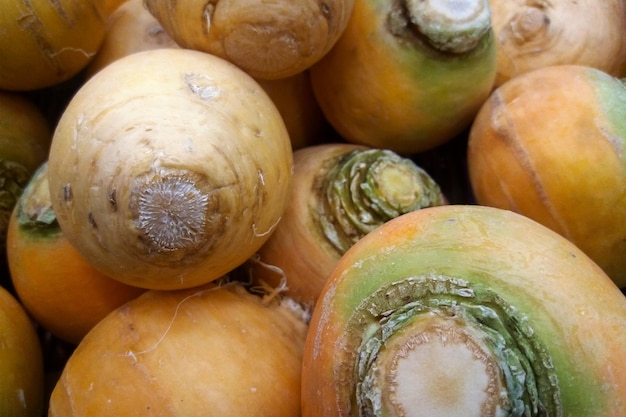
(131, 28)
(169, 168)
(340, 192)
(294, 98)
(466, 311)
(21, 361)
(550, 144)
(407, 76)
(44, 43)
(25, 135)
(535, 34)
(211, 351)
(267, 39)
(61, 291)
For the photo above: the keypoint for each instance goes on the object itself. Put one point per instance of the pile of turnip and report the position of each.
(284, 208)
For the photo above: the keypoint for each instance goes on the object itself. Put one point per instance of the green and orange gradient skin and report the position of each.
(574, 310)
(25, 135)
(551, 145)
(381, 86)
(60, 290)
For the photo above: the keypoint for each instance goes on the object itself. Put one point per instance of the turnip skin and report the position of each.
(47, 42)
(21, 361)
(61, 291)
(25, 136)
(267, 39)
(299, 108)
(384, 86)
(130, 28)
(148, 127)
(208, 351)
(535, 34)
(575, 311)
(340, 192)
(556, 154)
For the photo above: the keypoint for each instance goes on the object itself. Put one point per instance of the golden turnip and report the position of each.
(44, 43)
(212, 351)
(268, 39)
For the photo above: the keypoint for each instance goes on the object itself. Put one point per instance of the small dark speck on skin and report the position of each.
(67, 193)
(92, 221)
(573, 255)
(325, 10)
(113, 200)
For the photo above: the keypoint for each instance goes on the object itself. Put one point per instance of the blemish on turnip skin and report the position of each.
(113, 200)
(209, 9)
(67, 193)
(202, 86)
(21, 397)
(92, 221)
(326, 11)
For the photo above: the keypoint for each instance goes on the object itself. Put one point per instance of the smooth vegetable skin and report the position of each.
(267, 39)
(466, 311)
(294, 98)
(130, 28)
(44, 43)
(169, 168)
(55, 284)
(21, 361)
(407, 75)
(205, 352)
(536, 34)
(551, 144)
(340, 192)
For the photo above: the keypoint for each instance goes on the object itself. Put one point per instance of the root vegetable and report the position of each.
(466, 311)
(407, 76)
(55, 284)
(549, 144)
(535, 34)
(208, 351)
(21, 361)
(44, 43)
(169, 168)
(130, 28)
(293, 96)
(25, 136)
(267, 39)
(133, 29)
(340, 192)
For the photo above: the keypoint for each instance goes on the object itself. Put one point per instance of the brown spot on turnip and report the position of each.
(67, 193)
(326, 10)
(92, 221)
(32, 24)
(58, 7)
(113, 200)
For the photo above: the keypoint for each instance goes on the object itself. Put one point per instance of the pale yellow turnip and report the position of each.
(535, 34)
(169, 168)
